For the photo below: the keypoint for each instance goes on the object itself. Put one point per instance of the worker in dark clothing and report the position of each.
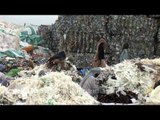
(99, 60)
(57, 59)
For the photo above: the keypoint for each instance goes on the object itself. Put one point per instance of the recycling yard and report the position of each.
(56, 64)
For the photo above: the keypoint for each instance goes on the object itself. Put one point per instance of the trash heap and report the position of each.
(59, 62)
(12, 58)
(133, 81)
(130, 82)
(34, 45)
(10, 28)
(29, 35)
(8, 65)
(53, 88)
(17, 55)
(78, 34)
(22, 42)
(23, 78)
(9, 36)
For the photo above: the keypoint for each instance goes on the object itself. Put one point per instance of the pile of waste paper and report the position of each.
(16, 43)
(132, 81)
(49, 88)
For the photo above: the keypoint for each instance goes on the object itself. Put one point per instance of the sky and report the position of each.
(30, 19)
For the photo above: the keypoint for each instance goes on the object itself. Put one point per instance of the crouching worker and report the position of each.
(59, 62)
(57, 59)
(90, 82)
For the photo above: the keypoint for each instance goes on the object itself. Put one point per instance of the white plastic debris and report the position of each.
(52, 88)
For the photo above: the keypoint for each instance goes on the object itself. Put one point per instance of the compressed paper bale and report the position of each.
(82, 32)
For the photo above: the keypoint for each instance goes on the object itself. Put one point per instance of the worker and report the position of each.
(57, 59)
(99, 59)
(124, 54)
(90, 82)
